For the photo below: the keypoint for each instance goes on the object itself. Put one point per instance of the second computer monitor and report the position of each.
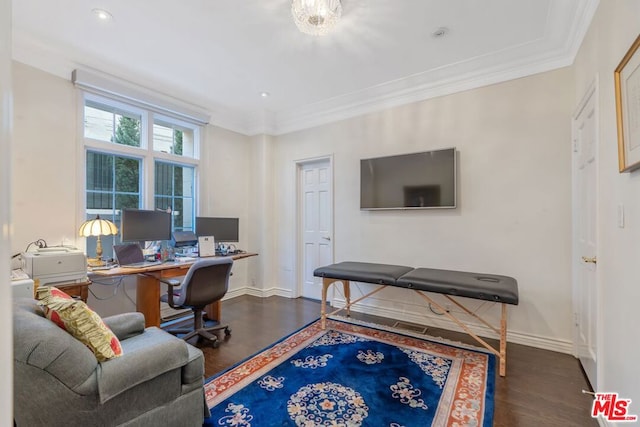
(222, 229)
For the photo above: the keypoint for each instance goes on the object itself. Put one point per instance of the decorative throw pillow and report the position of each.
(79, 320)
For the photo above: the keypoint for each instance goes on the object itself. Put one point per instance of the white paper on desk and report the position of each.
(206, 246)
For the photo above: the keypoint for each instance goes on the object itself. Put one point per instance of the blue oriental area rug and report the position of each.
(355, 375)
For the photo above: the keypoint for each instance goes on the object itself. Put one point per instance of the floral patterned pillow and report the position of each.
(79, 320)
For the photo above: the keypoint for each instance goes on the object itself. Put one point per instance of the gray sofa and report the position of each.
(158, 381)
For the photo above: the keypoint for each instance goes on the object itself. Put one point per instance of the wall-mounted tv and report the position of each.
(425, 180)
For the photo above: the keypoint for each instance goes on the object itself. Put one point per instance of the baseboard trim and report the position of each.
(545, 343)
(258, 292)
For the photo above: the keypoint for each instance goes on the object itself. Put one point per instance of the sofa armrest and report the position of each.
(145, 356)
(125, 325)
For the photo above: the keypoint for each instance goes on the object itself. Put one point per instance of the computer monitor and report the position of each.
(223, 229)
(145, 225)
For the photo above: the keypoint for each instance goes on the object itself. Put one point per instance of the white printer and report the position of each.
(21, 285)
(55, 265)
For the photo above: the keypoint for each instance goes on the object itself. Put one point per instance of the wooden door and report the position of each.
(315, 223)
(586, 304)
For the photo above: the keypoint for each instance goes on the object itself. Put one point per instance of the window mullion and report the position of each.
(149, 162)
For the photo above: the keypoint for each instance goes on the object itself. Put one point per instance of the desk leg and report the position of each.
(148, 299)
(213, 312)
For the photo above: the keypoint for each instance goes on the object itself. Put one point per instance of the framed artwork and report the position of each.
(627, 86)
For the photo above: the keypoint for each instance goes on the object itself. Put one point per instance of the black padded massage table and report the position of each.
(488, 287)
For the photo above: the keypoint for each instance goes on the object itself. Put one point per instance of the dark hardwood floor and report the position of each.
(542, 388)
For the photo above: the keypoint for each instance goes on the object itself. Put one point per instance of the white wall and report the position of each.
(44, 158)
(514, 201)
(614, 28)
(6, 108)
(261, 205)
(225, 176)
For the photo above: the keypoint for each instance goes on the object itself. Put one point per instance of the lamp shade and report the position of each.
(97, 227)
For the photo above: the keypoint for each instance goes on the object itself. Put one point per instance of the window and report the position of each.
(174, 191)
(173, 139)
(120, 158)
(107, 123)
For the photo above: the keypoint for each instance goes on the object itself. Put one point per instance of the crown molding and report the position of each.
(471, 74)
(542, 55)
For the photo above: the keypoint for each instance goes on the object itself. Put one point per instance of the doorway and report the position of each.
(315, 223)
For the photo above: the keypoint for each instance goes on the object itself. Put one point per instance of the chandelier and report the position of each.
(316, 17)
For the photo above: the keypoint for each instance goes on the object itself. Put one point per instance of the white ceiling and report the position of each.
(220, 55)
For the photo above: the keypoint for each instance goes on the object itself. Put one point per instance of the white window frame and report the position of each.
(145, 152)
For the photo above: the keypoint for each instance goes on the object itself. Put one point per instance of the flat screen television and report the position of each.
(145, 225)
(425, 180)
(222, 229)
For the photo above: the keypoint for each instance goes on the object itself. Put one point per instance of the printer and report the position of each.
(59, 264)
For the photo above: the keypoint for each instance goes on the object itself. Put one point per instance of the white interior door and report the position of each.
(585, 243)
(316, 223)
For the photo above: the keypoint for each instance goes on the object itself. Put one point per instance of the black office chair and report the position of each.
(206, 282)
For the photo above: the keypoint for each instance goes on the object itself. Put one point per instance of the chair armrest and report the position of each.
(125, 325)
(171, 282)
(145, 356)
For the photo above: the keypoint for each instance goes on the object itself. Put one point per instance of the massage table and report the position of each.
(488, 287)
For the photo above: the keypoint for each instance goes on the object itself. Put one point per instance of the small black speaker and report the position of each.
(183, 238)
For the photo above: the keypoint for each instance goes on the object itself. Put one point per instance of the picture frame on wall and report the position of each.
(627, 88)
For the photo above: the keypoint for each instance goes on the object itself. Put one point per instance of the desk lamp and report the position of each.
(97, 227)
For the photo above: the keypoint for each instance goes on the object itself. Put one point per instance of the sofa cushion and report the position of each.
(79, 320)
(148, 355)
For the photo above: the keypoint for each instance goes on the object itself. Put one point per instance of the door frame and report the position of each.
(299, 271)
(592, 92)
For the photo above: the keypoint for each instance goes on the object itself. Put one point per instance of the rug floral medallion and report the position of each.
(355, 375)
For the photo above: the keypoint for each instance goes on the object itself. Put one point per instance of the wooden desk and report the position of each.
(80, 289)
(148, 286)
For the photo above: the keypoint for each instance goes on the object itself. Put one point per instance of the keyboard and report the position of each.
(103, 267)
(141, 264)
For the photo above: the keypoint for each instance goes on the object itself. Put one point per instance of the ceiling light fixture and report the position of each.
(264, 94)
(103, 14)
(316, 17)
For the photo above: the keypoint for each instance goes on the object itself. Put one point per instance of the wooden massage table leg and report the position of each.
(502, 353)
(326, 282)
(503, 341)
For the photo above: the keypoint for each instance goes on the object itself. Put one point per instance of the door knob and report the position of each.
(591, 260)
(326, 237)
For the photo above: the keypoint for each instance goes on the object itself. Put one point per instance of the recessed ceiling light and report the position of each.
(264, 94)
(102, 14)
(440, 32)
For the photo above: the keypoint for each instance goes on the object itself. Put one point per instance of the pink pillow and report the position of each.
(75, 317)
